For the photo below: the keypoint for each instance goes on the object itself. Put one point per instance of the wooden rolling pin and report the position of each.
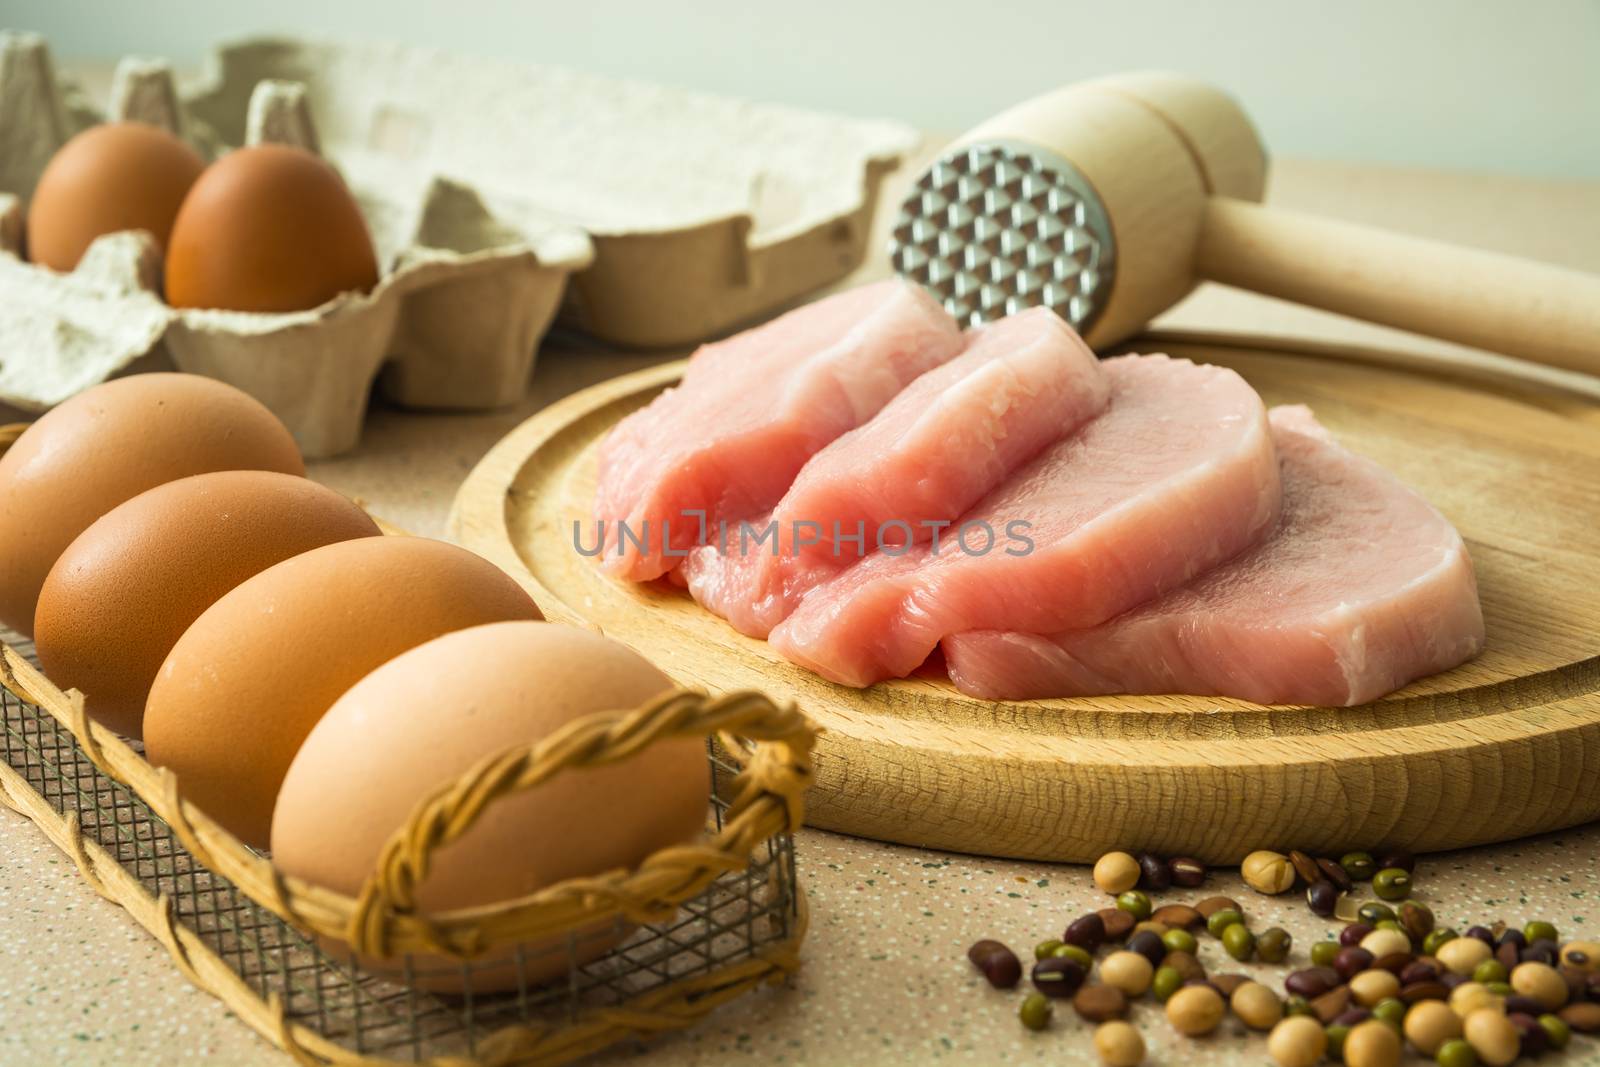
(1110, 200)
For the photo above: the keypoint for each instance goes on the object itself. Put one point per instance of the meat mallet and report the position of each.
(1109, 200)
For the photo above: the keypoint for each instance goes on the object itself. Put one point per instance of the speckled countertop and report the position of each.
(885, 979)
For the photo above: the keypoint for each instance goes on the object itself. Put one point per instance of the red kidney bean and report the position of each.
(998, 963)
(1354, 933)
(1312, 982)
(1351, 962)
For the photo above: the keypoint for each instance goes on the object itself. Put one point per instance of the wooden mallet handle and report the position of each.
(1180, 171)
(1531, 310)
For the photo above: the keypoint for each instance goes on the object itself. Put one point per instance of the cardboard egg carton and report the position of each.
(486, 187)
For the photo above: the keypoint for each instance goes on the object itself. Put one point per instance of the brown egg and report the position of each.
(123, 593)
(119, 176)
(246, 683)
(109, 444)
(423, 718)
(268, 228)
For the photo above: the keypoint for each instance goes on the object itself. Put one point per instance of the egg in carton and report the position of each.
(466, 292)
(485, 185)
(467, 288)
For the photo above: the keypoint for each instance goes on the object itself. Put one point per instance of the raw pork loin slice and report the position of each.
(1361, 588)
(752, 409)
(949, 438)
(1178, 475)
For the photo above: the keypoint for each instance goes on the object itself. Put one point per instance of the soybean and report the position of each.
(1256, 1006)
(1541, 982)
(1267, 872)
(1495, 1038)
(1119, 1044)
(1430, 1024)
(1116, 872)
(1372, 1044)
(1195, 1010)
(1463, 954)
(1127, 971)
(1298, 1041)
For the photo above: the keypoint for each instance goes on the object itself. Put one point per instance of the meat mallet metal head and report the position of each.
(1109, 200)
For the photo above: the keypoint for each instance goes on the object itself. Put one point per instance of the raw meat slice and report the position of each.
(751, 410)
(950, 437)
(1178, 475)
(1361, 588)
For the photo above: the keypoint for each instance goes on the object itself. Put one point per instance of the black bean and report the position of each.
(1542, 951)
(1514, 936)
(1154, 872)
(1351, 1016)
(1526, 1005)
(1482, 933)
(1534, 1038)
(1397, 857)
(1322, 897)
(1058, 976)
(1087, 932)
(998, 963)
(1148, 944)
(1450, 979)
(1577, 981)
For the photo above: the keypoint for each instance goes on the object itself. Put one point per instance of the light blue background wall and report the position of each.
(1478, 84)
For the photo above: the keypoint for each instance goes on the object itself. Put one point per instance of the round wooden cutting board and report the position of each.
(1506, 745)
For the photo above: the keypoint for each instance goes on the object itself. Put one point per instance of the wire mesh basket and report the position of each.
(697, 925)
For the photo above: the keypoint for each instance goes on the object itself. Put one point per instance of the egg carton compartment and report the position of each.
(485, 185)
(331, 1008)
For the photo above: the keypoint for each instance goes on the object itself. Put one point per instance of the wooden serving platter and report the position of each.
(1504, 746)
